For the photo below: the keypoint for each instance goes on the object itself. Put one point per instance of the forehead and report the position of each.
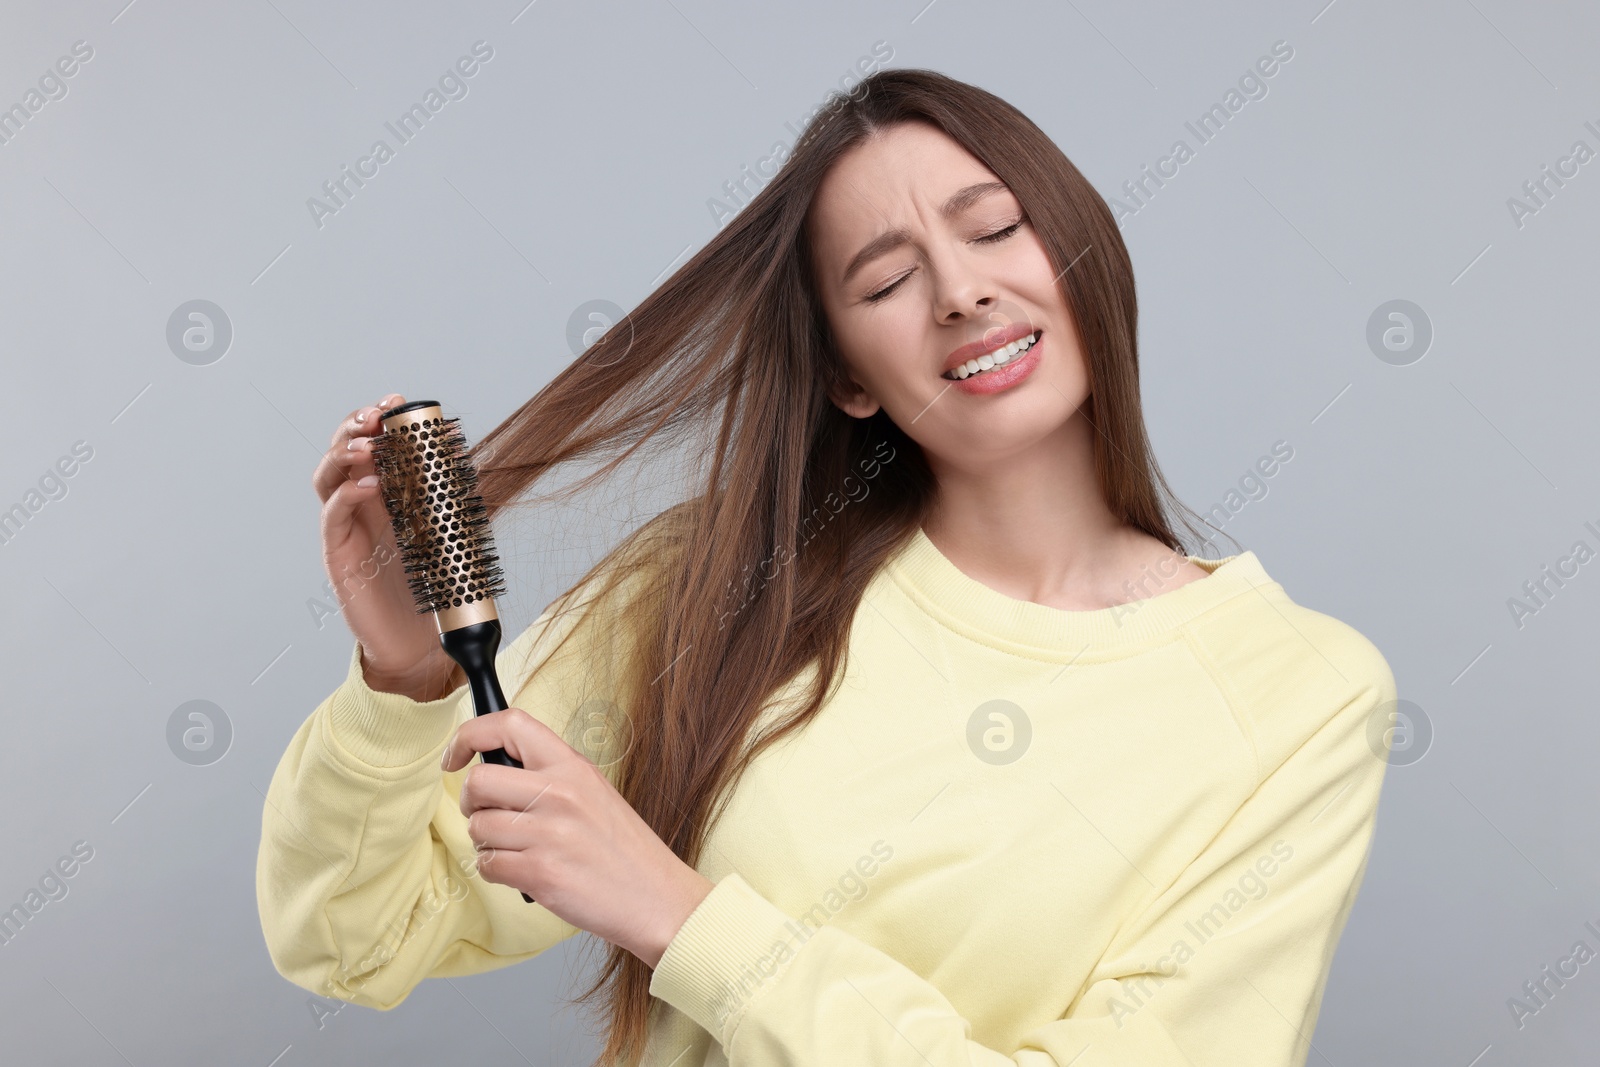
(895, 177)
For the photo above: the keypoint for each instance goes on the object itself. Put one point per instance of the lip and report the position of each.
(991, 340)
(1000, 378)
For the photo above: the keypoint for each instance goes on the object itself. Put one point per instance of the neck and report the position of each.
(1035, 524)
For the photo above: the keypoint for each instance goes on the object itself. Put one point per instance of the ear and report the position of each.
(853, 400)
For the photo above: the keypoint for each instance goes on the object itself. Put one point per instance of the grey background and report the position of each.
(179, 562)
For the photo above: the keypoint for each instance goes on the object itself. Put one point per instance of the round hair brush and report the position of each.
(430, 489)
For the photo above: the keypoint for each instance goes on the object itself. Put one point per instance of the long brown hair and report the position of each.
(755, 577)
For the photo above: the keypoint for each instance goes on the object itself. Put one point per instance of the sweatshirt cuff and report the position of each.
(388, 730)
(730, 948)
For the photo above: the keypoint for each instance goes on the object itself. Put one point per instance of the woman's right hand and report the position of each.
(400, 649)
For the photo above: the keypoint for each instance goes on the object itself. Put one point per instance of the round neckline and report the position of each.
(984, 614)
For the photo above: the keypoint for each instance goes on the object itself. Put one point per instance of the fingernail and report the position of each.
(368, 482)
(361, 416)
(354, 443)
(444, 758)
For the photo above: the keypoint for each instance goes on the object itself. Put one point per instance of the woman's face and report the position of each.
(902, 311)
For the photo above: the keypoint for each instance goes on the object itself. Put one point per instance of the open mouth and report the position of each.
(989, 360)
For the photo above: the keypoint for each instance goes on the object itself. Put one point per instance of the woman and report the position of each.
(911, 736)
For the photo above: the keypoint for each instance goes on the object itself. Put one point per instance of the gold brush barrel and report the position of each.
(430, 491)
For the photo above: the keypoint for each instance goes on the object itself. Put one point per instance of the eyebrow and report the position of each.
(892, 239)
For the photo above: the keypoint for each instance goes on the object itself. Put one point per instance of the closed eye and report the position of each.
(1001, 235)
(991, 238)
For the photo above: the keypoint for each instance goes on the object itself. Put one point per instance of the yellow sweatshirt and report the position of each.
(1016, 836)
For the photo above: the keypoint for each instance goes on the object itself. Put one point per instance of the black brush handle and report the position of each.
(474, 647)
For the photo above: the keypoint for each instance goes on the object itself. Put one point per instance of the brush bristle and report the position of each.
(430, 489)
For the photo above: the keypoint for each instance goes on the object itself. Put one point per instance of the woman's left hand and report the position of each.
(558, 830)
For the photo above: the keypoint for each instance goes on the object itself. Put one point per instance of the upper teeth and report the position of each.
(998, 358)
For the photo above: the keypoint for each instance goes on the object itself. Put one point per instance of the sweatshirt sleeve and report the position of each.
(366, 878)
(1226, 966)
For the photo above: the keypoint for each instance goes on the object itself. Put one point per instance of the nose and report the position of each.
(962, 290)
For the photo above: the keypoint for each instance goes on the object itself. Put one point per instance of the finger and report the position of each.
(496, 865)
(364, 420)
(525, 739)
(349, 456)
(340, 512)
(492, 787)
(344, 465)
(500, 829)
